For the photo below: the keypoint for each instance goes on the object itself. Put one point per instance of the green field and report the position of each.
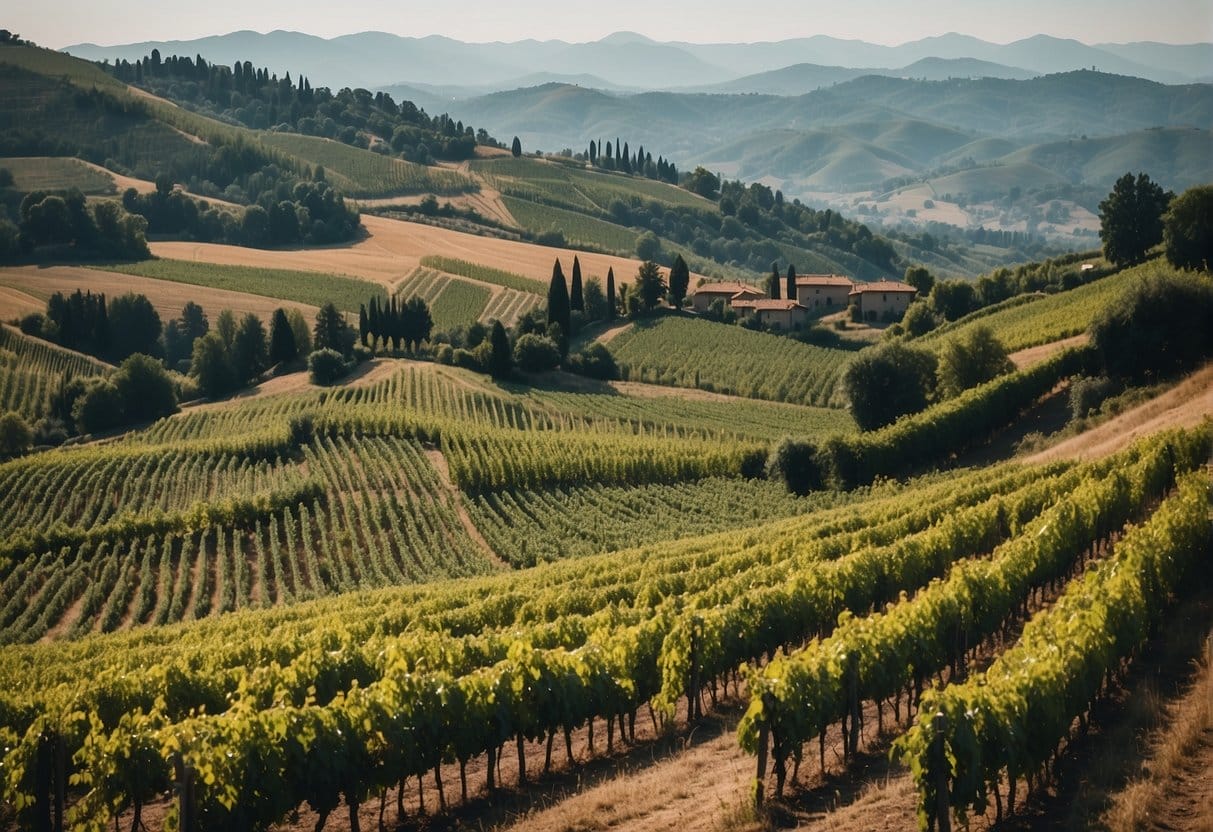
(362, 174)
(724, 358)
(578, 229)
(311, 288)
(46, 173)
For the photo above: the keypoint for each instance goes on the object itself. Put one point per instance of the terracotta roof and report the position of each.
(727, 288)
(882, 286)
(823, 280)
(766, 304)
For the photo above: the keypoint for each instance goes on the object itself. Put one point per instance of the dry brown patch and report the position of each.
(1185, 405)
(1034, 355)
(15, 304)
(393, 248)
(167, 296)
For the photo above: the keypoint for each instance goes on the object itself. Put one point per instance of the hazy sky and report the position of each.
(58, 23)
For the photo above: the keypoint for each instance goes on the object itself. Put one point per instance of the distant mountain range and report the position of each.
(628, 61)
(807, 115)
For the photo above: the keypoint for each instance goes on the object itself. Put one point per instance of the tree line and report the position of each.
(258, 98)
(300, 212)
(66, 226)
(618, 157)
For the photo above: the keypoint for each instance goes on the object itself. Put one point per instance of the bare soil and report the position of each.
(16, 304)
(40, 282)
(1034, 355)
(439, 462)
(393, 248)
(1185, 405)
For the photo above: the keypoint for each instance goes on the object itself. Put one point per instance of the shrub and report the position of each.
(467, 359)
(794, 463)
(445, 354)
(1162, 327)
(146, 389)
(968, 362)
(1087, 394)
(536, 353)
(595, 361)
(887, 382)
(326, 366)
(15, 435)
(99, 409)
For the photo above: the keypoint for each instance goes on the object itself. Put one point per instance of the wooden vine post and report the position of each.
(187, 808)
(764, 737)
(939, 769)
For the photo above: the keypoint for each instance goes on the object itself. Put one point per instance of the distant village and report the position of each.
(816, 294)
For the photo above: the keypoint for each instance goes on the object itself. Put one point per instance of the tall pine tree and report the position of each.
(576, 299)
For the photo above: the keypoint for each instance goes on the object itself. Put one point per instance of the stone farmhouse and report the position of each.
(882, 300)
(827, 292)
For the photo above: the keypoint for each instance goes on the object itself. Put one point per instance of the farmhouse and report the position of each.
(708, 293)
(823, 291)
(882, 299)
(776, 314)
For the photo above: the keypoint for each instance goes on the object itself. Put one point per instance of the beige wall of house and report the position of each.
(882, 302)
(815, 298)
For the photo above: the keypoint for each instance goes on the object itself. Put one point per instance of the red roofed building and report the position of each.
(776, 314)
(823, 291)
(882, 300)
(707, 293)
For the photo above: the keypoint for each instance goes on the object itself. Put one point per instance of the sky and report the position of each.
(59, 23)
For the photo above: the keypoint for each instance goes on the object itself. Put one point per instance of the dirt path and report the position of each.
(1035, 355)
(437, 459)
(1185, 405)
(608, 335)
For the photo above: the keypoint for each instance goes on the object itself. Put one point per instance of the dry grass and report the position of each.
(168, 297)
(1176, 788)
(393, 248)
(1034, 355)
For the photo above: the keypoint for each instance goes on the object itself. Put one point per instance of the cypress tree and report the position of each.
(576, 299)
(773, 282)
(593, 152)
(501, 362)
(282, 339)
(680, 279)
(558, 304)
(363, 324)
(791, 293)
(610, 294)
(516, 148)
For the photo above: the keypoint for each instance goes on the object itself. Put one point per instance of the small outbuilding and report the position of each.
(708, 293)
(775, 314)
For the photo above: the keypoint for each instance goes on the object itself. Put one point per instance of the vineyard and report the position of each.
(577, 228)
(391, 685)
(452, 302)
(360, 173)
(312, 288)
(31, 371)
(47, 173)
(485, 274)
(729, 359)
(1051, 317)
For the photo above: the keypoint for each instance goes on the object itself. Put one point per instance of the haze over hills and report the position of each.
(625, 59)
(859, 127)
